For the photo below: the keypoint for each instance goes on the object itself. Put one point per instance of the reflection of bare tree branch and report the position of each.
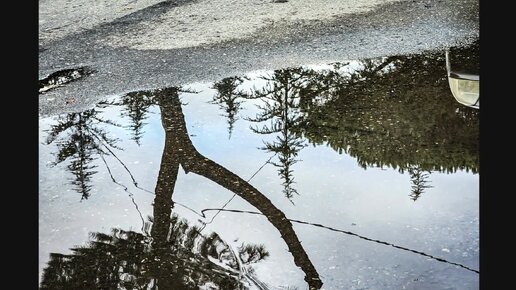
(230, 199)
(183, 151)
(135, 183)
(131, 195)
(165, 184)
(169, 257)
(353, 234)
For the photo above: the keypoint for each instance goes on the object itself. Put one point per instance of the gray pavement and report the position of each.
(150, 60)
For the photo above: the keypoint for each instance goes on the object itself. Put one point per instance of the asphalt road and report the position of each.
(400, 27)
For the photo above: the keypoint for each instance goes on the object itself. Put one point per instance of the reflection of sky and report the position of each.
(334, 191)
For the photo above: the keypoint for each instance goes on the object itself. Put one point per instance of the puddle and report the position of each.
(353, 175)
(62, 77)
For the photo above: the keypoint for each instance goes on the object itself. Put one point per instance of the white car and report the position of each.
(465, 87)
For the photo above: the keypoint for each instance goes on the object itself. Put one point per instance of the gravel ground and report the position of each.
(60, 18)
(170, 43)
(207, 22)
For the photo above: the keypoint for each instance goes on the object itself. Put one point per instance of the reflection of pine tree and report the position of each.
(136, 107)
(250, 253)
(226, 98)
(396, 112)
(130, 260)
(281, 107)
(287, 146)
(84, 139)
(419, 179)
(176, 255)
(79, 165)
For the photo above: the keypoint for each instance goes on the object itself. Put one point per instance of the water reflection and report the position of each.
(227, 98)
(419, 180)
(167, 259)
(80, 138)
(175, 257)
(280, 109)
(136, 106)
(394, 112)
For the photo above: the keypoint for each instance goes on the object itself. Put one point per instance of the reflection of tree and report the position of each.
(226, 98)
(419, 180)
(136, 108)
(130, 260)
(175, 256)
(466, 59)
(192, 161)
(281, 109)
(395, 112)
(83, 140)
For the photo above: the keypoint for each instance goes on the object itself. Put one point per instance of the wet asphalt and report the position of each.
(397, 28)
